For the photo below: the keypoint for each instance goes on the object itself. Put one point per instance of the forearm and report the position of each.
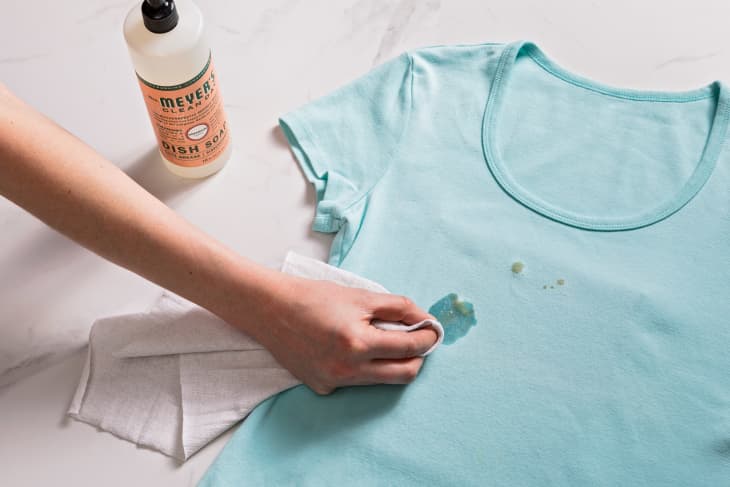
(65, 183)
(319, 331)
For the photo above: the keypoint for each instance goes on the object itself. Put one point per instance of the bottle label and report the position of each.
(188, 118)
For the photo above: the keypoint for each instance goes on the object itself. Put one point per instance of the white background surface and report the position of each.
(69, 60)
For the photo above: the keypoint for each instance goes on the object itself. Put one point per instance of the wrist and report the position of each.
(252, 297)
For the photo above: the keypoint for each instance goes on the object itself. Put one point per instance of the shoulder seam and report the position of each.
(396, 146)
(344, 247)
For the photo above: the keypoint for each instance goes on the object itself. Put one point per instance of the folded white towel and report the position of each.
(176, 377)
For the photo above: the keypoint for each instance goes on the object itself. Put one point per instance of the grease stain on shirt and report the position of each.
(455, 314)
(559, 282)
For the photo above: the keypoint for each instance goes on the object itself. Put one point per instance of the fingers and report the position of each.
(321, 390)
(384, 344)
(402, 371)
(397, 371)
(391, 307)
(396, 344)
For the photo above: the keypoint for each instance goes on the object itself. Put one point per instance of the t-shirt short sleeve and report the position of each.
(346, 140)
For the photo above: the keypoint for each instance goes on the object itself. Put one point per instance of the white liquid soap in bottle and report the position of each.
(175, 72)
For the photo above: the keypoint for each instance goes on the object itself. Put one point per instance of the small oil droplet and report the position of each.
(517, 267)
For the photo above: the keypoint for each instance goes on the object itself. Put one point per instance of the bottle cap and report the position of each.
(159, 16)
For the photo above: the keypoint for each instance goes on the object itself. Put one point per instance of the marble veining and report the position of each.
(687, 59)
(23, 59)
(403, 16)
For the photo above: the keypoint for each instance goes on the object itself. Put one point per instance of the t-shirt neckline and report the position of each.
(696, 181)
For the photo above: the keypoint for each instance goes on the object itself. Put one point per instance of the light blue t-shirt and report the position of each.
(590, 227)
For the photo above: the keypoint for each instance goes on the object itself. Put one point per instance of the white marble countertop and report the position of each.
(69, 60)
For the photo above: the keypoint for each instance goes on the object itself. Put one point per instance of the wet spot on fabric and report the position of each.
(455, 314)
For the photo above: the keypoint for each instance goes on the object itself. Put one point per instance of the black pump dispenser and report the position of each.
(159, 16)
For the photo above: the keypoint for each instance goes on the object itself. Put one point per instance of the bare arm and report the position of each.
(66, 184)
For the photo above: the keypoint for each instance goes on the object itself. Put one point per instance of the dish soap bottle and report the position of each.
(179, 85)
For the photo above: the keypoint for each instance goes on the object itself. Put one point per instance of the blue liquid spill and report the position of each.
(455, 314)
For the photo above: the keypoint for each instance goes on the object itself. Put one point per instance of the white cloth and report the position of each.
(177, 376)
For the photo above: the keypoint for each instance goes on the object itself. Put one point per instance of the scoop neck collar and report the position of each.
(692, 186)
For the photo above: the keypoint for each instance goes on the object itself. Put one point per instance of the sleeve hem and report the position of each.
(306, 154)
(302, 144)
(331, 212)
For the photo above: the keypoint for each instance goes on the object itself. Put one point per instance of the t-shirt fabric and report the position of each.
(590, 227)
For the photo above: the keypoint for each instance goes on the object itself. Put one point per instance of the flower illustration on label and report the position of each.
(197, 132)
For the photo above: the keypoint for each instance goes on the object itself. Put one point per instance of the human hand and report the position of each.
(322, 333)
(318, 330)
